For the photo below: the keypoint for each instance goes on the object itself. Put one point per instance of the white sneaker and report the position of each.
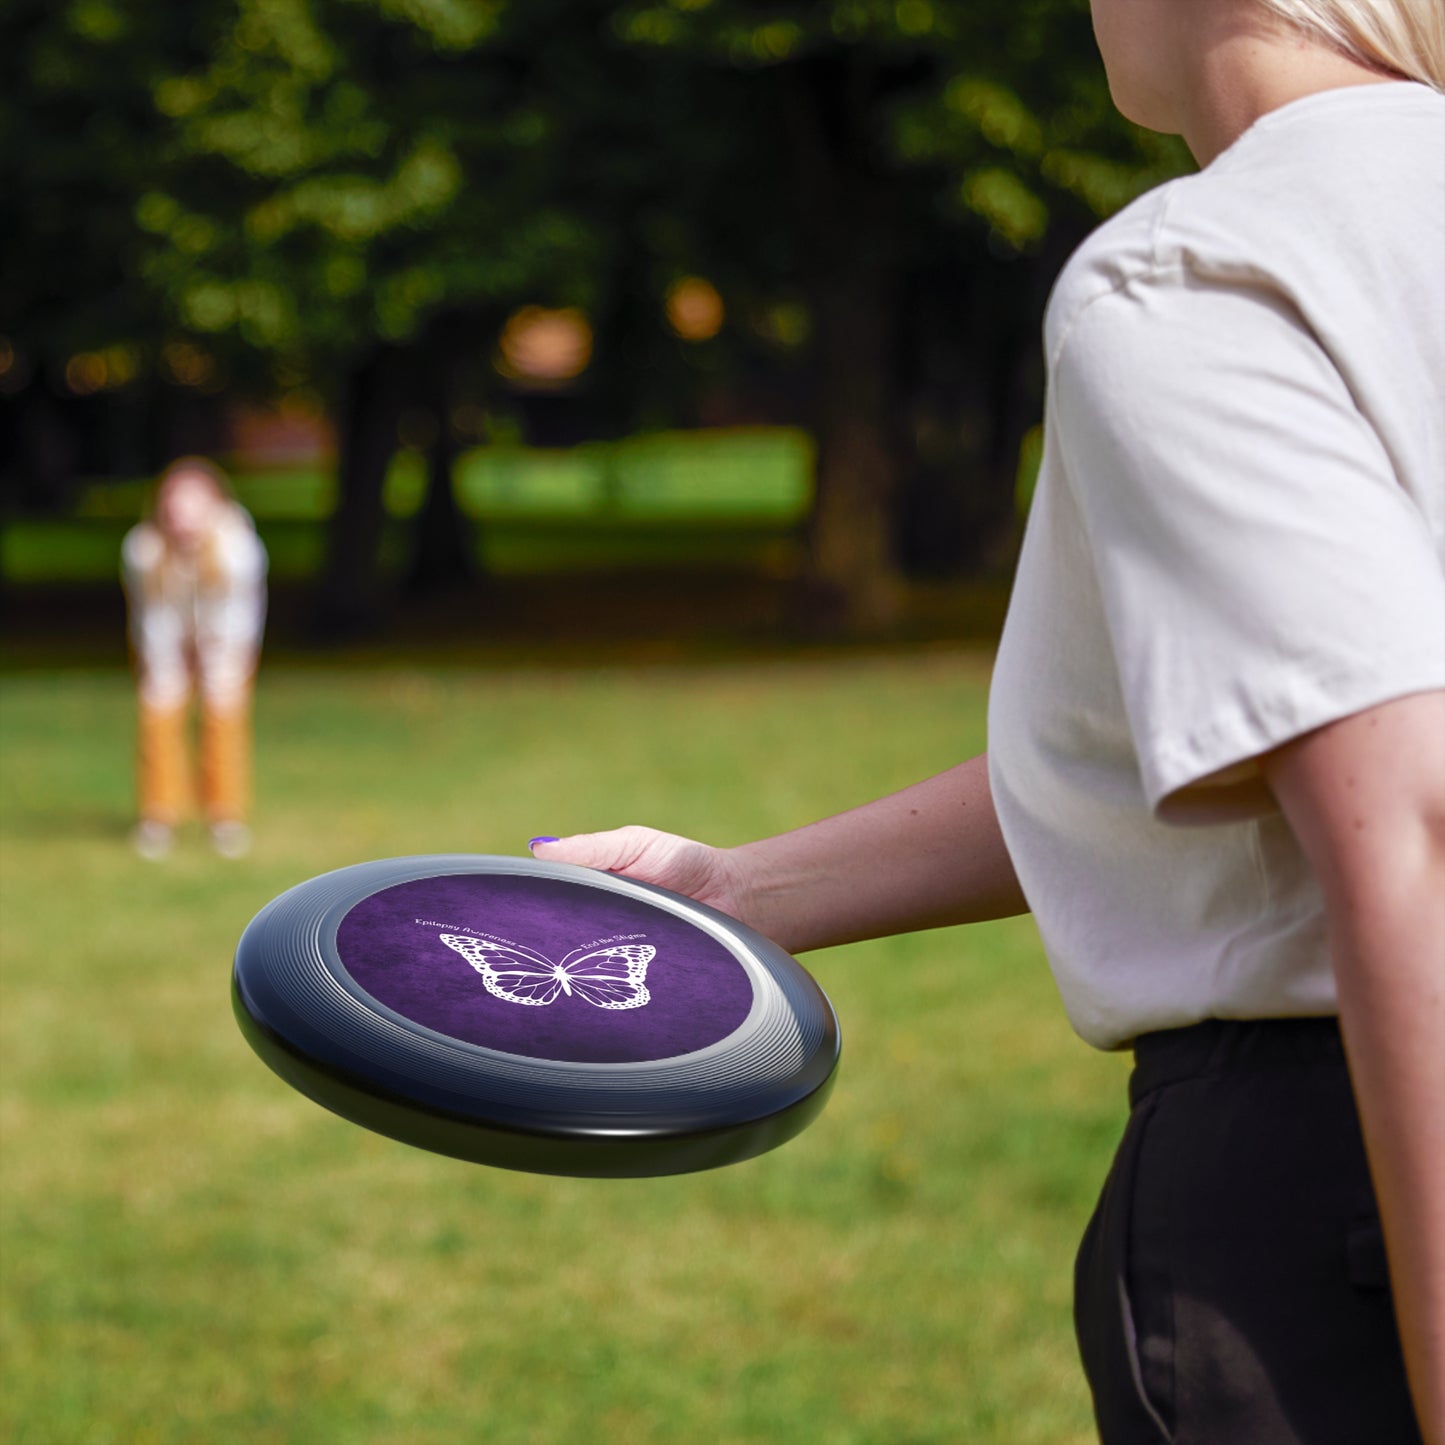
(231, 839)
(152, 840)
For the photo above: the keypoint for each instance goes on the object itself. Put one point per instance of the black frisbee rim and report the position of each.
(309, 1021)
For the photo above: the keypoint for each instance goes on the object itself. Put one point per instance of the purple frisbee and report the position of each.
(535, 1016)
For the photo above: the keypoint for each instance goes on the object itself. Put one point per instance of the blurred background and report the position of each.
(639, 404)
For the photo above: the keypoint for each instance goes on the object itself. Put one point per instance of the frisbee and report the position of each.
(535, 1016)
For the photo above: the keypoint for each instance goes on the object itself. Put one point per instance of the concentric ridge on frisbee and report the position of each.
(535, 1016)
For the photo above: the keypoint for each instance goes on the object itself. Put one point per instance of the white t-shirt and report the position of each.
(194, 620)
(1238, 536)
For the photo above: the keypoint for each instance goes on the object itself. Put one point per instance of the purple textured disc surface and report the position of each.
(544, 968)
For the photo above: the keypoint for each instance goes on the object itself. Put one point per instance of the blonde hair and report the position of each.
(1404, 37)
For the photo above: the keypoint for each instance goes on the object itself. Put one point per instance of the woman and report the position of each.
(1217, 759)
(195, 583)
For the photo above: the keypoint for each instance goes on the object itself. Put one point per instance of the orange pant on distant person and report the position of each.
(167, 786)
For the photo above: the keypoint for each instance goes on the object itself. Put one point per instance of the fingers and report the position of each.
(614, 851)
(669, 861)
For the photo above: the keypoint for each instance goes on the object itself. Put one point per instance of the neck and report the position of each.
(1246, 67)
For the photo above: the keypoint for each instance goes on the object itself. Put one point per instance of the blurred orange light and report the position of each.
(187, 365)
(86, 373)
(7, 355)
(545, 346)
(121, 365)
(695, 311)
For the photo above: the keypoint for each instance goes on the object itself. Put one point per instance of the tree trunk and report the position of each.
(46, 450)
(974, 387)
(349, 600)
(852, 567)
(442, 558)
(851, 264)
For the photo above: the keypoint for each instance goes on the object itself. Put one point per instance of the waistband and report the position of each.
(1225, 1046)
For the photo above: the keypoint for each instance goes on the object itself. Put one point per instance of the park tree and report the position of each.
(931, 163)
(363, 191)
(350, 196)
(79, 139)
(369, 188)
(900, 177)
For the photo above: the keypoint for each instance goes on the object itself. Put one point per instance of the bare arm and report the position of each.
(926, 857)
(1366, 799)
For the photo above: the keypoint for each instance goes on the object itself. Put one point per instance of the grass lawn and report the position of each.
(735, 497)
(193, 1253)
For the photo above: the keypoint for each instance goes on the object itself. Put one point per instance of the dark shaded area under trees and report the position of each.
(351, 196)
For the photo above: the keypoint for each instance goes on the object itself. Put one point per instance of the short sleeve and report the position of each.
(240, 551)
(140, 554)
(1263, 571)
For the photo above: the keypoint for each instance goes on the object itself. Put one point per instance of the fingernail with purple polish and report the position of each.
(533, 843)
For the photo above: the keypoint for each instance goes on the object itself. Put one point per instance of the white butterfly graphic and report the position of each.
(610, 978)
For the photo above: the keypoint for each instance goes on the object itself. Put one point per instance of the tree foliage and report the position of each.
(353, 194)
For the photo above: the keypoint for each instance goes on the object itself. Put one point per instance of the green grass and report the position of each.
(758, 473)
(87, 550)
(193, 1253)
(732, 498)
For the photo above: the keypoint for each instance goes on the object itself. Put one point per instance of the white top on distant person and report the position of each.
(195, 581)
(1218, 723)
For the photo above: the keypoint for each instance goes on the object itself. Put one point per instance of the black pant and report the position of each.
(1231, 1288)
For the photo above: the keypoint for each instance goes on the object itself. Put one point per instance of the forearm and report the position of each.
(1389, 956)
(926, 857)
(1365, 797)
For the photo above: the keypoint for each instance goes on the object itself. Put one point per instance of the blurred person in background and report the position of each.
(195, 583)
(1216, 767)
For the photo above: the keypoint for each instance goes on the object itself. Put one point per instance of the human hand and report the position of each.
(710, 875)
(928, 857)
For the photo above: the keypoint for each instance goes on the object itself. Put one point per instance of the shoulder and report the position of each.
(1199, 230)
(142, 549)
(1339, 190)
(236, 537)
(1115, 256)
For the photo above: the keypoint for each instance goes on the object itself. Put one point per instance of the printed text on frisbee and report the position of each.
(610, 978)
